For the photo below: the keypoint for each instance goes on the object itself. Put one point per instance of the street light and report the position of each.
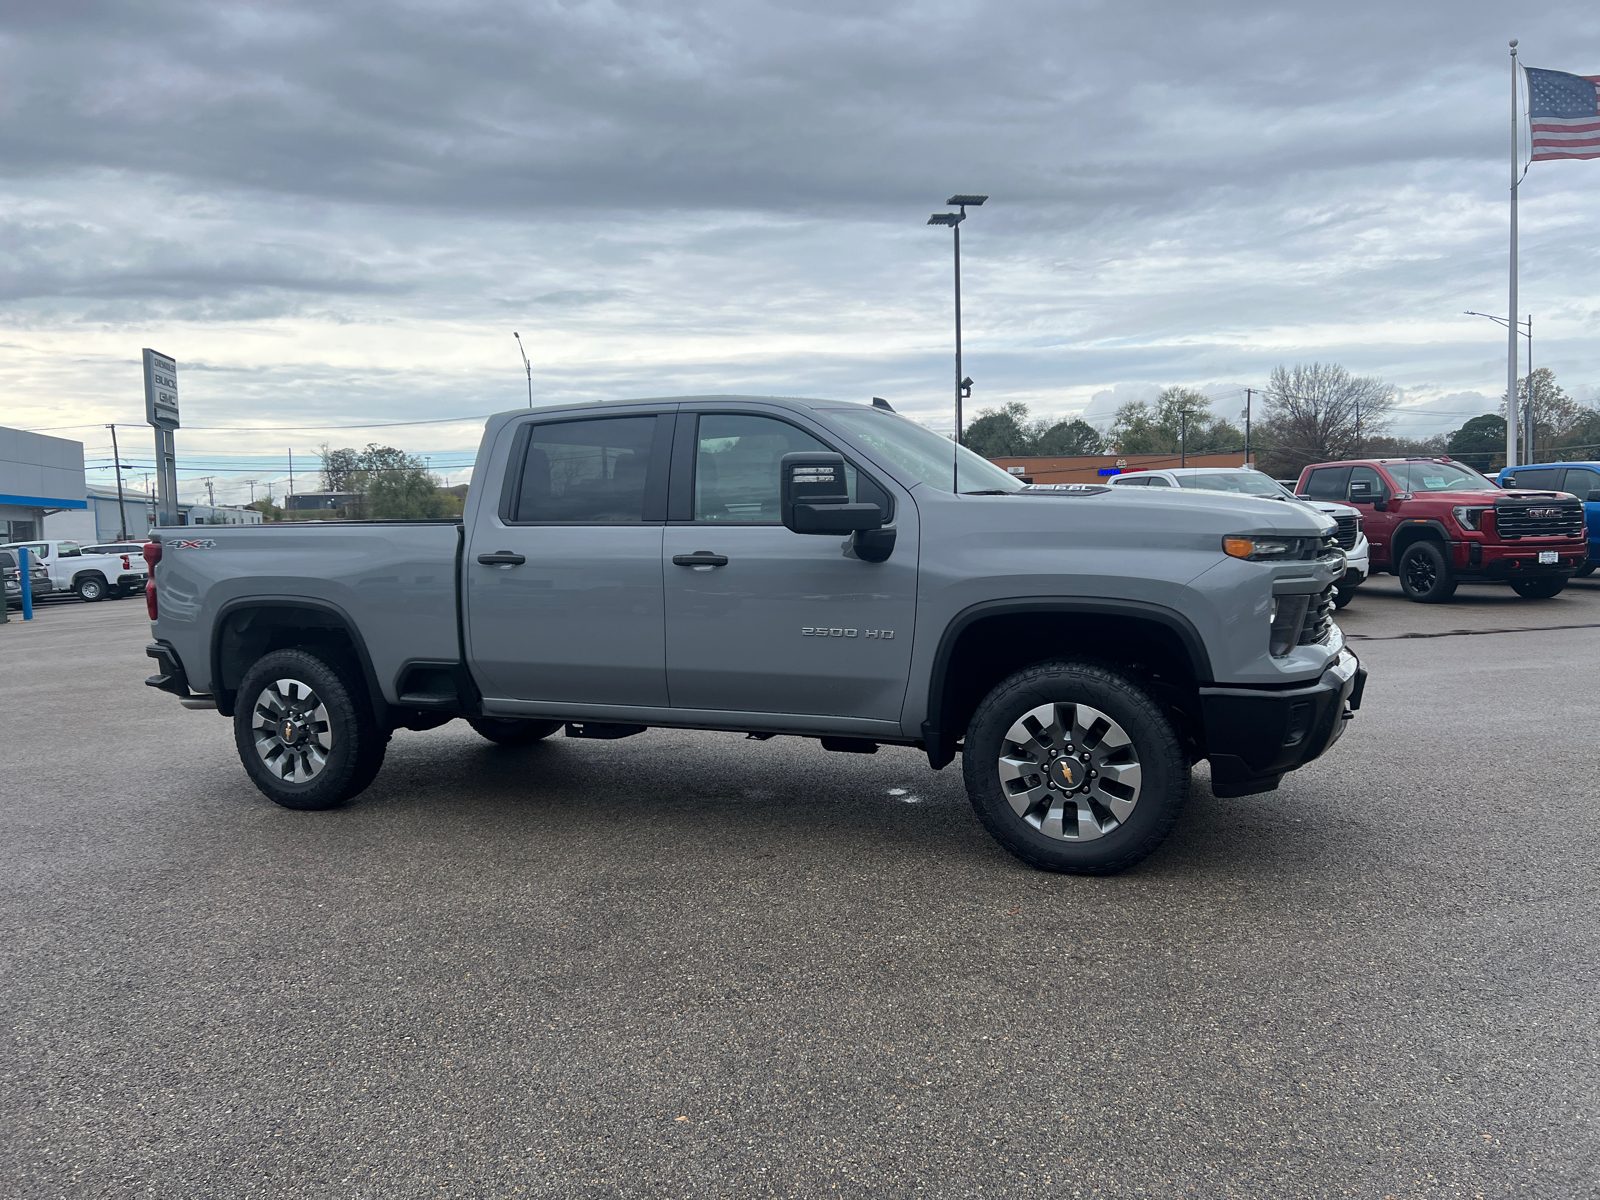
(953, 220)
(1527, 409)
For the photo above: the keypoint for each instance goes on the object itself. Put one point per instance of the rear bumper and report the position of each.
(171, 676)
(1255, 735)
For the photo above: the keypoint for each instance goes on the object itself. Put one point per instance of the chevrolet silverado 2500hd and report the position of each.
(794, 567)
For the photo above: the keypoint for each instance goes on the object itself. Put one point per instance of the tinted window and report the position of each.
(1160, 481)
(1132, 480)
(1366, 485)
(594, 470)
(1249, 483)
(7, 559)
(736, 467)
(1581, 481)
(1531, 477)
(1328, 483)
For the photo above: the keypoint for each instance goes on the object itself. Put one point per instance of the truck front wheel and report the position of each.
(1072, 767)
(1425, 575)
(304, 730)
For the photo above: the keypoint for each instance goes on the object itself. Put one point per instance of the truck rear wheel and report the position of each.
(1072, 767)
(90, 588)
(510, 731)
(1425, 575)
(304, 729)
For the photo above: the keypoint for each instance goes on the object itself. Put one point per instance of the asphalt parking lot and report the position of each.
(692, 965)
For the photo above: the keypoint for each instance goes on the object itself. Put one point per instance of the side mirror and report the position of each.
(1380, 503)
(1592, 498)
(816, 496)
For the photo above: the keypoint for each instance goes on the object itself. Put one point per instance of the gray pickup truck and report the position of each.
(783, 567)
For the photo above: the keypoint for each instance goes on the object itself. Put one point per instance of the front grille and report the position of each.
(1320, 619)
(1538, 518)
(1346, 536)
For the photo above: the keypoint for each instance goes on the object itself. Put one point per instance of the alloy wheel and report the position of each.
(1070, 771)
(1420, 573)
(291, 731)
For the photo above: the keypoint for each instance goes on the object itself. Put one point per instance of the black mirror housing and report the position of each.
(1592, 498)
(1381, 503)
(815, 496)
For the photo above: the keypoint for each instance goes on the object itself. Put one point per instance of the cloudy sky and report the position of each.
(335, 215)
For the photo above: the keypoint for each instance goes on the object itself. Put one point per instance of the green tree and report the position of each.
(1068, 437)
(339, 468)
(1000, 433)
(1141, 428)
(1480, 443)
(1581, 440)
(393, 485)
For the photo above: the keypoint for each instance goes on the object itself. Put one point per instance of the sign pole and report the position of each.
(161, 411)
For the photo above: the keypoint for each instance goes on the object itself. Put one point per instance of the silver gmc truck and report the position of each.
(778, 566)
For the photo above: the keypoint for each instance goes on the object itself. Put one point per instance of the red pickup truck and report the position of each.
(1436, 522)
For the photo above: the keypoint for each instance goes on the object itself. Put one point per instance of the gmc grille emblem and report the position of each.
(1544, 513)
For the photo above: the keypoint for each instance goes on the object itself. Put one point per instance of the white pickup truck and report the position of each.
(116, 571)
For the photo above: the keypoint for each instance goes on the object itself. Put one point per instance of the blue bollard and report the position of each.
(27, 584)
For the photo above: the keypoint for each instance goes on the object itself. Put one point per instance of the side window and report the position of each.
(588, 470)
(1541, 478)
(69, 550)
(1160, 481)
(1132, 480)
(1328, 483)
(1581, 481)
(736, 467)
(1365, 485)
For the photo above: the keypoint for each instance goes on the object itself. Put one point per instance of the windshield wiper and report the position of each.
(989, 492)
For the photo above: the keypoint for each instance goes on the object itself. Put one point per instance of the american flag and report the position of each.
(1564, 111)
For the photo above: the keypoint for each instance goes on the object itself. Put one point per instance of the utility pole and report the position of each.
(211, 495)
(291, 477)
(1183, 437)
(252, 483)
(1358, 428)
(122, 517)
(1248, 393)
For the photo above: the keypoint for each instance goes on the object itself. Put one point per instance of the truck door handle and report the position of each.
(501, 558)
(700, 558)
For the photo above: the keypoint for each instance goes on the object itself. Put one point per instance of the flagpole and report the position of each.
(1512, 331)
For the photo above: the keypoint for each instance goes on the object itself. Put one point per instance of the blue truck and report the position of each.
(1581, 479)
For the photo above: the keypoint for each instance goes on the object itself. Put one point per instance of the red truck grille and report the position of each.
(1538, 518)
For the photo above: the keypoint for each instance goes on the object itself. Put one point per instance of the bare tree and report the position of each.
(1320, 412)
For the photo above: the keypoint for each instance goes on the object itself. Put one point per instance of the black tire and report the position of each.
(1159, 798)
(1538, 589)
(512, 731)
(355, 744)
(1343, 595)
(1425, 574)
(1584, 571)
(90, 588)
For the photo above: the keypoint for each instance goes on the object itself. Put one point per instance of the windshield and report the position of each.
(1248, 483)
(1438, 477)
(922, 453)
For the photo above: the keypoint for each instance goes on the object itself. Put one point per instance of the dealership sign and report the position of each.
(160, 390)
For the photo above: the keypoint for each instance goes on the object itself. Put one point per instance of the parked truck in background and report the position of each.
(783, 567)
(1437, 523)
(1581, 481)
(93, 576)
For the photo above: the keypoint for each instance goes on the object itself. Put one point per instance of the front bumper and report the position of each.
(1505, 561)
(1256, 735)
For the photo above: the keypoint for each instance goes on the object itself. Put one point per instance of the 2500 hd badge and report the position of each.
(835, 631)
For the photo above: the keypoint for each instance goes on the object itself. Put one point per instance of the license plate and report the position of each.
(1548, 558)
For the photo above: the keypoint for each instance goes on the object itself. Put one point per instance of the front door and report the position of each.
(1366, 489)
(563, 583)
(783, 622)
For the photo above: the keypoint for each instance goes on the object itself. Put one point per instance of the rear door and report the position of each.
(563, 580)
(785, 622)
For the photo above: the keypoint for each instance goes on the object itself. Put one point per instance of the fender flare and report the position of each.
(380, 706)
(940, 743)
(1432, 525)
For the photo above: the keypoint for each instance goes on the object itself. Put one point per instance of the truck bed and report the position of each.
(395, 581)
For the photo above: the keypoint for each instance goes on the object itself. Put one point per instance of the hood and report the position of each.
(1489, 496)
(1151, 515)
(1333, 508)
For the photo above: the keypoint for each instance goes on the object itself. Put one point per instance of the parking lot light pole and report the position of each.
(953, 220)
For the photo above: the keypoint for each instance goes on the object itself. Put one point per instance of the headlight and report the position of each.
(1468, 518)
(1266, 549)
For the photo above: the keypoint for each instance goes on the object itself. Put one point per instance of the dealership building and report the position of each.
(39, 475)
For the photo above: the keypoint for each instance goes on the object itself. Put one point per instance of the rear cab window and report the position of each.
(1328, 483)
